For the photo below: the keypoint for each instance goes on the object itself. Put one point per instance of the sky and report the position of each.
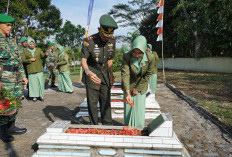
(76, 11)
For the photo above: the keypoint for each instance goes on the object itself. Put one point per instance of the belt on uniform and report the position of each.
(10, 68)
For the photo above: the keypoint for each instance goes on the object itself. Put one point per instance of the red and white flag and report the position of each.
(159, 25)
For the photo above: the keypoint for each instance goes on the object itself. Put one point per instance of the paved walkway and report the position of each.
(199, 136)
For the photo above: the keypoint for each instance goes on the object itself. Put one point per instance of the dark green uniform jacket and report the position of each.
(129, 73)
(63, 63)
(33, 67)
(97, 54)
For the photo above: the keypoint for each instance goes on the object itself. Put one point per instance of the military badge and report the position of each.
(110, 45)
(85, 43)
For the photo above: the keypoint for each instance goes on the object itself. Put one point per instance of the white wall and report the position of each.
(216, 64)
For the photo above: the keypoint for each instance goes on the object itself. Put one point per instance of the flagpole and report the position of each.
(164, 78)
(8, 7)
(160, 31)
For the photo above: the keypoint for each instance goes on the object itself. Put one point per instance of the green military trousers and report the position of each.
(51, 75)
(4, 120)
(103, 97)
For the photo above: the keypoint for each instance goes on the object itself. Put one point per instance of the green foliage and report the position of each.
(117, 60)
(131, 14)
(192, 28)
(70, 35)
(38, 19)
(76, 55)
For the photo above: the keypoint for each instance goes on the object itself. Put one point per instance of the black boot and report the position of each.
(53, 85)
(13, 130)
(5, 136)
(46, 84)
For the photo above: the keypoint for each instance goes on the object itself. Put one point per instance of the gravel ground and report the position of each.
(199, 136)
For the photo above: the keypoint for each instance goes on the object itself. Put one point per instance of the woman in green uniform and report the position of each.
(137, 67)
(33, 57)
(64, 81)
(153, 79)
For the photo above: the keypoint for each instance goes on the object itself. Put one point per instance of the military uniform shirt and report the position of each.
(97, 54)
(51, 59)
(9, 57)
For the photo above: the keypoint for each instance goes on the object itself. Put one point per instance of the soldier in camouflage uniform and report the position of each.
(51, 66)
(97, 55)
(12, 77)
(23, 47)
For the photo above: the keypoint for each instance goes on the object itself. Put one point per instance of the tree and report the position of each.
(38, 19)
(117, 60)
(193, 28)
(133, 13)
(70, 35)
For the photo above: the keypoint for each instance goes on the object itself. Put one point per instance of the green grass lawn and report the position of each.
(213, 91)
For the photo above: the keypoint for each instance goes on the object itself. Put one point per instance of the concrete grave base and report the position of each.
(161, 141)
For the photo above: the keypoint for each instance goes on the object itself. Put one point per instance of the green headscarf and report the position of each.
(150, 46)
(30, 49)
(125, 49)
(140, 43)
(61, 48)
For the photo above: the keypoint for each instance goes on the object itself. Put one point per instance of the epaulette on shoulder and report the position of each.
(92, 37)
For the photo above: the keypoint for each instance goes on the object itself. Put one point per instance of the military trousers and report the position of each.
(103, 97)
(51, 75)
(4, 120)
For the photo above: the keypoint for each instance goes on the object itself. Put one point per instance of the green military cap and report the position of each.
(108, 25)
(6, 19)
(23, 39)
(107, 21)
(51, 44)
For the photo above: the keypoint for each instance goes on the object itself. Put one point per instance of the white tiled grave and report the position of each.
(151, 112)
(161, 141)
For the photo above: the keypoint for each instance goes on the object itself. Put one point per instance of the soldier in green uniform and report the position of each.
(12, 76)
(51, 66)
(23, 47)
(97, 55)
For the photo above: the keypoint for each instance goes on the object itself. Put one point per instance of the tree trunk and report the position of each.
(198, 41)
(73, 60)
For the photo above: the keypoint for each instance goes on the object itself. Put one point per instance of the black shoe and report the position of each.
(5, 136)
(22, 98)
(13, 130)
(46, 86)
(53, 85)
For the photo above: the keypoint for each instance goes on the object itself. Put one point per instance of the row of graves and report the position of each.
(156, 139)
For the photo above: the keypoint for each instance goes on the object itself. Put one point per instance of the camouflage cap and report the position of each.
(6, 19)
(51, 44)
(23, 39)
